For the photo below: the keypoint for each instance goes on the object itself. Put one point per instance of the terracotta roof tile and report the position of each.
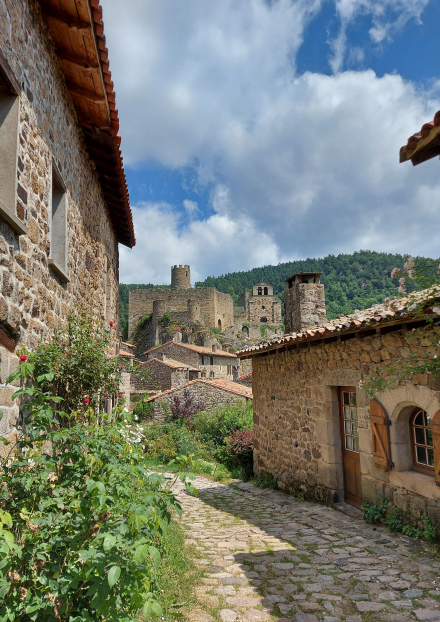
(246, 376)
(199, 349)
(172, 364)
(124, 353)
(393, 311)
(423, 145)
(226, 385)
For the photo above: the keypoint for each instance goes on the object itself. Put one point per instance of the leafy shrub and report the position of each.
(394, 520)
(373, 513)
(214, 426)
(82, 518)
(240, 446)
(185, 407)
(144, 410)
(162, 448)
(265, 479)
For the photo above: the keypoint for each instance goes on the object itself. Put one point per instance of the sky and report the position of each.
(261, 131)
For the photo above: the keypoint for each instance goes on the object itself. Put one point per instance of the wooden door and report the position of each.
(350, 446)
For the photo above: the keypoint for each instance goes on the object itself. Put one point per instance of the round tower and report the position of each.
(180, 277)
(194, 310)
(159, 308)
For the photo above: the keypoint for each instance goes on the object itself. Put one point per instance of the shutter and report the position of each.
(381, 436)
(435, 427)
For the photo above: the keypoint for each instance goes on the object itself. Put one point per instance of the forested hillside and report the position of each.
(351, 282)
(354, 281)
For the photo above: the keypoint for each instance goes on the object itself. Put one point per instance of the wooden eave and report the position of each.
(77, 30)
(422, 147)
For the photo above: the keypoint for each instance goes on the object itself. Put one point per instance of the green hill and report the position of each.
(354, 281)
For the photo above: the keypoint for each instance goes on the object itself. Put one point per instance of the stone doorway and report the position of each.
(350, 445)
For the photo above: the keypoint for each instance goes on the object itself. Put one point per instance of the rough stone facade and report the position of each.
(164, 376)
(204, 305)
(304, 302)
(212, 363)
(296, 419)
(210, 394)
(34, 298)
(259, 306)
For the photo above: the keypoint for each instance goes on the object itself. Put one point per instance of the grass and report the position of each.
(212, 470)
(178, 575)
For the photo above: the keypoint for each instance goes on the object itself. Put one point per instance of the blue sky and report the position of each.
(255, 132)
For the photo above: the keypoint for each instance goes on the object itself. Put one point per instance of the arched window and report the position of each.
(265, 291)
(421, 442)
(260, 291)
(219, 324)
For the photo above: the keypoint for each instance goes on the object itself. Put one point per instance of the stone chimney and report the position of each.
(304, 302)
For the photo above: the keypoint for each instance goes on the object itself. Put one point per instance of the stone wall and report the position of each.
(214, 306)
(304, 306)
(33, 299)
(210, 395)
(221, 367)
(268, 307)
(296, 420)
(163, 377)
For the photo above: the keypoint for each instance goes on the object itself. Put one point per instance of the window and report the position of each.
(265, 291)
(219, 324)
(421, 442)
(211, 375)
(203, 360)
(229, 370)
(9, 188)
(58, 227)
(260, 291)
(263, 320)
(211, 360)
(350, 426)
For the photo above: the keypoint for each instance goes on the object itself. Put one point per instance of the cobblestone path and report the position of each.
(269, 556)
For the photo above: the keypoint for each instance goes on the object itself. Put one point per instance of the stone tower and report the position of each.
(159, 308)
(304, 302)
(194, 310)
(180, 277)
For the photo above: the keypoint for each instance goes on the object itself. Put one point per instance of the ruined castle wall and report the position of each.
(33, 299)
(296, 420)
(264, 306)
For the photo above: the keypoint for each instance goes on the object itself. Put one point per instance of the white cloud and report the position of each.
(297, 166)
(235, 244)
(389, 17)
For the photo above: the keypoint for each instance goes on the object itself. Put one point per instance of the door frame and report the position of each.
(349, 498)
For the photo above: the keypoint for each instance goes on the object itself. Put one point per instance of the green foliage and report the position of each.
(373, 513)
(162, 448)
(214, 426)
(166, 319)
(263, 330)
(82, 518)
(352, 281)
(216, 330)
(265, 479)
(144, 410)
(245, 325)
(394, 520)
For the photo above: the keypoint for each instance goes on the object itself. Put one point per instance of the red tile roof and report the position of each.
(246, 376)
(124, 353)
(423, 145)
(173, 365)
(220, 383)
(393, 312)
(199, 349)
(77, 29)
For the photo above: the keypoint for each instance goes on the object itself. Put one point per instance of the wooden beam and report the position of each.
(77, 62)
(65, 19)
(80, 91)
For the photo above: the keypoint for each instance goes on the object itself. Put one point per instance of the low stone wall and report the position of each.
(210, 395)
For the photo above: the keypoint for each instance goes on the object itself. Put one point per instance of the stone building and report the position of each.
(316, 429)
(64, 205)
(211, 393)
(204, 306)
(259, 306)
(164, 375)
(211, 362)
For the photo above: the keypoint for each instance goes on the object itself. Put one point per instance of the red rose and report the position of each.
(23, 358)
(86, 400)
(111, 323)
(105, 394)
(97, 341)
(122, 367)
(121, 394)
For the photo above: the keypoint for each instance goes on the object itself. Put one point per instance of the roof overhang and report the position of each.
(77, 30)
(424, 145)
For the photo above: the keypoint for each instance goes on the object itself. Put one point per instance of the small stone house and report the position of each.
(246, 379)
(211, 393)
(211, 362)
(165, 375)
(64, 205)
(317, 430)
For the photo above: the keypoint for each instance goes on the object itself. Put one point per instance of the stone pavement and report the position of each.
(269, 556)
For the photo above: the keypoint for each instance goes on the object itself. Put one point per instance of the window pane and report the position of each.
(355, 444)
(420, 436)
(421, 455)
(430, 457)
(345, 398)
(418, 420)
(346, 412)
(429, 437)
(354, 414)
(354, 429)
(425, 419)
(347, 427)
(348, 442)
(353, 399)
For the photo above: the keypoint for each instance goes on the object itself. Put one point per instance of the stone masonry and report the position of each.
(34, 299)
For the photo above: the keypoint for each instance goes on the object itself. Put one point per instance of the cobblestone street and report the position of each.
(267, 555)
